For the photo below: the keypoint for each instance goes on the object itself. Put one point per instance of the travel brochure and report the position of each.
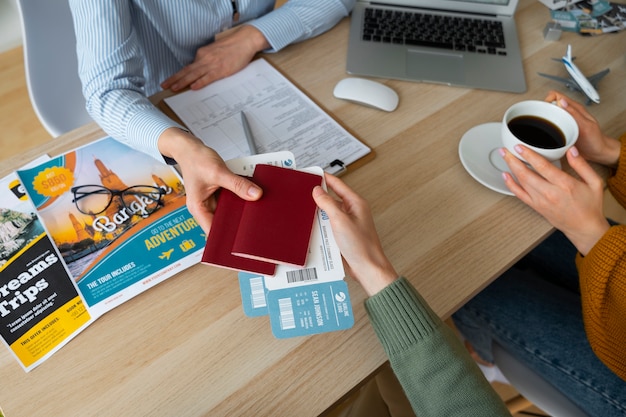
(118, 217)
(40, 306)
(95, 227)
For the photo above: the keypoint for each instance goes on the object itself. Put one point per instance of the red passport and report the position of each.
(277, 227)
(219, 243)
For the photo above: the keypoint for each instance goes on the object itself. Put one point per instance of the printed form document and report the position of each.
(281, 118)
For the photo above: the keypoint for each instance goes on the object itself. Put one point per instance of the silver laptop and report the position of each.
(468, 43)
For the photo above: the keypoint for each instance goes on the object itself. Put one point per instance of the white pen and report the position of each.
(248, 132)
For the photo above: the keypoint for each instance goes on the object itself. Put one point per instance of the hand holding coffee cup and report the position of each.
(541, 126)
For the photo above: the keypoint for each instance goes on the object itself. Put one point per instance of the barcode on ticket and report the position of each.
(287, 319)
(301, 275)
(257, 292)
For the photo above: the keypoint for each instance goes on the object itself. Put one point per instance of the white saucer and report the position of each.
(479, 155)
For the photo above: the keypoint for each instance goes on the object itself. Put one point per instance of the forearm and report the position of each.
(298, 20)
(111, 68)
(131, 119)
(435, 370)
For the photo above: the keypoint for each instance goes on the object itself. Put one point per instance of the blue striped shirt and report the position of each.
(126, 48)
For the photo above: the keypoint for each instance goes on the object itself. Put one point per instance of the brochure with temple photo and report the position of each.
(40, 306)
(118, 218)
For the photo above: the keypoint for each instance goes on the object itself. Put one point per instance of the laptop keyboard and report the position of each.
(448, 32)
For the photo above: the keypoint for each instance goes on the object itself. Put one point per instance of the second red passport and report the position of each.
(277, 227)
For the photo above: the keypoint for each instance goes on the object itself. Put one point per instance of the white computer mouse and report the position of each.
(367, 92)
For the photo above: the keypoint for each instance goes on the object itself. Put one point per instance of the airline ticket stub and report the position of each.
(299, 311)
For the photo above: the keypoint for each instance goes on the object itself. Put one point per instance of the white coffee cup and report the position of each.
(537, 119)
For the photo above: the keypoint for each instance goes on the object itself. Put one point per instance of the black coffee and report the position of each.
(537, 132)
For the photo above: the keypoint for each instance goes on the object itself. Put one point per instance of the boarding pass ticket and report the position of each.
(298, 311)
(303, 301)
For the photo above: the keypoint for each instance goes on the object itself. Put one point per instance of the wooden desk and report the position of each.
(185, 348)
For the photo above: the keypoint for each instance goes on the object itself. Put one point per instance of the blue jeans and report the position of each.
(534, 311)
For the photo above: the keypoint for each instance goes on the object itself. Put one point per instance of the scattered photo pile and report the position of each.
(589, 17)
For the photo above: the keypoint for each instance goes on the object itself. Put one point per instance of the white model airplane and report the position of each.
(577, 80)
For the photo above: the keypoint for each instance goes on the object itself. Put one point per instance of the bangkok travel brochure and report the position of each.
(119, 225)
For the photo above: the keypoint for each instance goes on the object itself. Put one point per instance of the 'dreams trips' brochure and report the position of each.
(40, 307)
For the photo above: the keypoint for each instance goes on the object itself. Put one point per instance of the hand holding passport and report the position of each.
(255, 236)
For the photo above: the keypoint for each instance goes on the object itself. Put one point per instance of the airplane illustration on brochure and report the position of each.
(577, 80)
(166, 254)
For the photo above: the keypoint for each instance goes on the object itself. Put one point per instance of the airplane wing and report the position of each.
(569, 83)
(593, 79)
(561, 59)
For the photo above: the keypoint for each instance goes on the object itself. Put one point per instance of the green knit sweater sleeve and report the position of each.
(437, 374)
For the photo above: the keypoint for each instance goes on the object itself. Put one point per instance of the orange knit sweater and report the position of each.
(603, 284)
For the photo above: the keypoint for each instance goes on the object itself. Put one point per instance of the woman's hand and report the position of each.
(204, 172)
(356, 236)
(592, 144)
(572, 205)
(219, 59)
